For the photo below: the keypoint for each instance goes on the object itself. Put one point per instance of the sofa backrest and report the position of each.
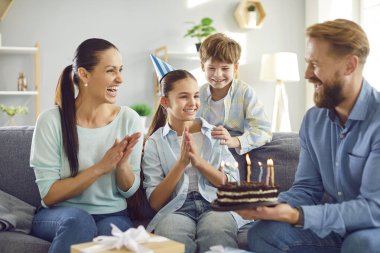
(16, 176)
(284, 149)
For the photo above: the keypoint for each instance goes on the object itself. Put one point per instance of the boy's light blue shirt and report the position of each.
(344, 162)
(50, 163)
(244, 115)
(162, 151)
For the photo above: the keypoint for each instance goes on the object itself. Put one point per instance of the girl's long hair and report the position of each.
(86, 56)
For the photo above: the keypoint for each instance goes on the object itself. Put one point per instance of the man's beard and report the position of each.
(330, 95)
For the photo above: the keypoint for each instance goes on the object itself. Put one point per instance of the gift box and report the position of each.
(133, 240)
(157, 247)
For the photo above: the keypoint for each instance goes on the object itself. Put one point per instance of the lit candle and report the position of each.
(261, 171)
(237, 168)
(229, 168)
(248, 168)
(268, 173)
(271, 171)
(221, 168)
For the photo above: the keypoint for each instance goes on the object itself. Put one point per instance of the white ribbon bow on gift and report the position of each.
(129, 239)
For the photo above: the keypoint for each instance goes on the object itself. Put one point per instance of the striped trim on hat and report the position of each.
(161, 67)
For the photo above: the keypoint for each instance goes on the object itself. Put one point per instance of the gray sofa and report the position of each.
(17, 179)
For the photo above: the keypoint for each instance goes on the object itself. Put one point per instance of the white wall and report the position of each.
(138, 27)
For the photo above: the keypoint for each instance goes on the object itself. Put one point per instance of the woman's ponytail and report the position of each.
(65, 99)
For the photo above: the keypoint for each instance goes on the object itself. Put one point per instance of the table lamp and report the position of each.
(280, 67)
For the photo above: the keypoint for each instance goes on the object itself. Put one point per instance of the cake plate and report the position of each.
(216, 207)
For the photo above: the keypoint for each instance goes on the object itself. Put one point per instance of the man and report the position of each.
(340, 156)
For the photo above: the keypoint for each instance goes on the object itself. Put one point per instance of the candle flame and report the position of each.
(260, 164)
(222, 164)
(270, 162)
(248, 159)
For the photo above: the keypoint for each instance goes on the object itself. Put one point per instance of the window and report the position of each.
(370, 19)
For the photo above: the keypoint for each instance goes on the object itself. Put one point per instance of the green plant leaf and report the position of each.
(13, 110)
(201, 30)
(206, 21)
(142, 109)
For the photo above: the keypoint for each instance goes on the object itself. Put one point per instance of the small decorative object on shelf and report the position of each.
(21, 82)
(12, 111)
(201, 30)
(143, 110)
(250, 14)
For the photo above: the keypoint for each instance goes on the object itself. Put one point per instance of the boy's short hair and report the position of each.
(221, 48)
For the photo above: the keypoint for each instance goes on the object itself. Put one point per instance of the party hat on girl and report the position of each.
(161, 67)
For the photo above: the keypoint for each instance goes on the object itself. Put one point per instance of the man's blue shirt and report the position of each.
(344, 162)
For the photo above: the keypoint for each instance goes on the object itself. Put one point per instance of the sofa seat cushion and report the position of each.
(11, 242)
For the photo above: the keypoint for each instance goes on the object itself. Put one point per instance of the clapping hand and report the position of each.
(118, 154)
(195, 158)
(113, 156)
(131, 142)
(185, 147)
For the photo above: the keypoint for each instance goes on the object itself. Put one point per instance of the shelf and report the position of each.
(34, 92)
(17, 93)
(184, 55)
(12, 50)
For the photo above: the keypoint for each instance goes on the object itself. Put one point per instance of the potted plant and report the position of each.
(143, 110)
(12, 111)
(200, 30)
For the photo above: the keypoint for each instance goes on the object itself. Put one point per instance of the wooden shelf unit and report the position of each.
(5, 5)
(37, 74)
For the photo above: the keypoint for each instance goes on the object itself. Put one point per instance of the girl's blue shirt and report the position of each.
(161, 152)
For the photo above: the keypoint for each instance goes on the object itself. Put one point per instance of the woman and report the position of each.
(180, 167)
(86, 151)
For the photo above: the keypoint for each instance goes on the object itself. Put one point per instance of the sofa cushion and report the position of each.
(13, 242)
(16, 176)
(284, 150)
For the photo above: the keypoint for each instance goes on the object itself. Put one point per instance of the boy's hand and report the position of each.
(221, 133)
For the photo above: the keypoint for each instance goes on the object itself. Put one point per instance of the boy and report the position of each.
(230, 104)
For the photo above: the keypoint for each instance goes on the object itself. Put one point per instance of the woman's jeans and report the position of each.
(65, 226)
(275, 237)
(199, 228)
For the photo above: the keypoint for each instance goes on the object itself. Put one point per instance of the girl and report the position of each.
(180, 168)
(86, 151)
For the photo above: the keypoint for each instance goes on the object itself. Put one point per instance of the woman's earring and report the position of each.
(85, 84)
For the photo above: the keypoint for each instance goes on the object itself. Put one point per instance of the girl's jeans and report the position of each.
(199, 228)
(65, 226)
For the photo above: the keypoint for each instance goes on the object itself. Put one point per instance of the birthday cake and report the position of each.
(233, 193)
(249, 192)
